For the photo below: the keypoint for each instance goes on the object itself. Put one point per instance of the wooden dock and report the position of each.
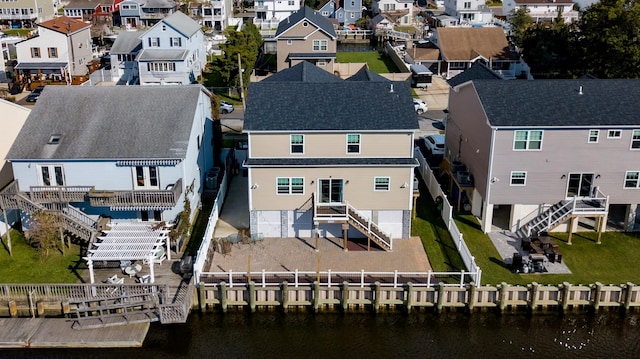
(57, 333)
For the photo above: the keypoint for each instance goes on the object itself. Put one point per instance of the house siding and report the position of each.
(330, 145)
(302, 43)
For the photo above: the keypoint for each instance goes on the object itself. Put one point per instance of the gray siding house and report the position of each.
(532, 147)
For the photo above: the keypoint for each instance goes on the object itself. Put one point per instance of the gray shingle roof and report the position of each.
(162, 54)
(366, 75)
(332, 162)
(127, 42)
(182, 23)
(327, 103)
(312, 16)
(110, 122)
(477, 71)
(550, 103)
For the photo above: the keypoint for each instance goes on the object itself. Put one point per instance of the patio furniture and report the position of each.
(133, 269)
(234, 238)
(145, 279)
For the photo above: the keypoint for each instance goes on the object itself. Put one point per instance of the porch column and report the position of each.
(487, 218)
(168, 243)
(601, 223)
(345, 230)
(570, 230)
(151, 273)
(92, 279)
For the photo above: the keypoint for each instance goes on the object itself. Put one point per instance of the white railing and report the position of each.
(571, 207)
(369, 225)
(447, 216)
(354, 32)
(330, 278)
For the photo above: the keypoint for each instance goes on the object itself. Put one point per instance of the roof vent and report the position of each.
(580, 91)
(54, 139)
(391, 88)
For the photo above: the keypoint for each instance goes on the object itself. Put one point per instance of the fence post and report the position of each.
(230, 278)
(472, 296)
(362, 278)
(503, 296)
(533, 302)
(395, 278)
(329, 278)
(440, 298)
(295, 284)
(462, 278)
(223, 296)
(376, 297)
(285, 296)
(316, 296)
(629, 296)
(252, 296)
(202, 297)
(566, 287)
(409, 295)
(264, 284)
(345, 296)
(596, 299)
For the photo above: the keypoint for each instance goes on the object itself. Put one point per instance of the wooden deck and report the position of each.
(57, 332)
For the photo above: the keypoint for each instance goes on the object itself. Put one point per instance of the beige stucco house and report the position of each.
(336, 165)
(306, 36)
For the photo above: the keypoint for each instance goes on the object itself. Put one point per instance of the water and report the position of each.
(303, 335)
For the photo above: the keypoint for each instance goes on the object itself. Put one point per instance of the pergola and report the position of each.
(129, 241)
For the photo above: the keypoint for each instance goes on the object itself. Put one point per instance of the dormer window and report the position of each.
(164, 27)
(54, 139)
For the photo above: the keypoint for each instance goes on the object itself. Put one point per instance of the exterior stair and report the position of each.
(369, 229)
(73, 220)
(547, 220)
(108, 312)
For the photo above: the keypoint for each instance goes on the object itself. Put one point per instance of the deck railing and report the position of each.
(334, 278)
(75, 292)
(167, 197)
(44, 194)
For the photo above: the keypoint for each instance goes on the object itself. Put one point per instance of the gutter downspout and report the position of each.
(489, 177)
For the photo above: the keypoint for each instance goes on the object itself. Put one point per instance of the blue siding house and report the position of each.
(172, 52)
(346, 12)
(123, 153)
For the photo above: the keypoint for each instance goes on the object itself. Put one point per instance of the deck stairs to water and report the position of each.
(121, 310)
(368, 228)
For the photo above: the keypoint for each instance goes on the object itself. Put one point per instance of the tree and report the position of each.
(247, 43)
(46, 232)
(519, 21)
(550, 51)
(610, 38)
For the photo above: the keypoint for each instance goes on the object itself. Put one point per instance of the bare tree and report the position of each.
(46, 232)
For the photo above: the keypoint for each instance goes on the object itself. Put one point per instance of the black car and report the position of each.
(33, 96)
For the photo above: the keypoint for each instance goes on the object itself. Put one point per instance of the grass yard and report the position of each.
(27, 266)
(17, 32)
(612, 262)
(377, 62)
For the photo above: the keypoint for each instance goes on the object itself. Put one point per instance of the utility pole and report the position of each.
(240, 72)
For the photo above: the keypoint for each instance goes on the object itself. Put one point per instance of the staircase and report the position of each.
(561, 211)
(74, 221)
(121, 310)
(368, 228)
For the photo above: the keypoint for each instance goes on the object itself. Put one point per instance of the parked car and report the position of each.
(434, 144)
(33, 96)
(226, 107)
(420, 106)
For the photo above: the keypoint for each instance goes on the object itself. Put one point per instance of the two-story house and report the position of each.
(345, 12)
(135, 13)
(543, 10)
(325, 160)
(460, 47)
(123, 53)
(535, 147)
(61, 50)
(469, 12)
(212, 14)
(25, 13)
(401, 10)
(125, 153)
(271, 12)
(306, 36)
(172, 52)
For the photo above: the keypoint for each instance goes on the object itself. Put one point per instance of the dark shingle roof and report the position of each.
(312, 16)
(550, 103)
(110, 122)
(366, 75)
(324, 102)
(477, 71)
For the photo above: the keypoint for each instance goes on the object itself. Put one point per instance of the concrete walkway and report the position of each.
(235, 211)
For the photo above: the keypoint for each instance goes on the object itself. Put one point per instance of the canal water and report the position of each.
(304, 335)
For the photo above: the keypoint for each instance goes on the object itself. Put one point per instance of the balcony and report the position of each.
(137, 198)
(18, 16)
(105, 198)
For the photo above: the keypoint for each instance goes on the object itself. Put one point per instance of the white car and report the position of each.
(434, 144)
(226, 107)
(420, 106)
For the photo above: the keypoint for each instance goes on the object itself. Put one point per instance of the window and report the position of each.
(154, 42)
(53, 52)
(389, 7)
(325, 13)
(593, 136)
(161, 66)
(291, 3)
(614, 133)
(146, 177)
(35, 52)
(381, 183)
(319, 45)
(353, 143)
(176, 42)
(457, 65)
(286, 185)
(631, 179)
(321, 63)
(52, 175)
(297, 143)
(527, 140)
(289, 42)
(164, 27)
(467, 5)
(635, 140)
(518, 178)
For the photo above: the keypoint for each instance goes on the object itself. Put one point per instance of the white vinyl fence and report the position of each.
(447, 216)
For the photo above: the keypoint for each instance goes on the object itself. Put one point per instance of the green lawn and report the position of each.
(17, 32)
(377, 62)
(612, 262)
(27, 266)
